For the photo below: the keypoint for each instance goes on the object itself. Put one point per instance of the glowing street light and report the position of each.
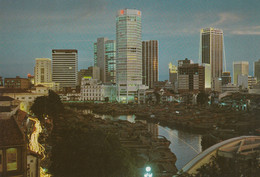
(148, 172)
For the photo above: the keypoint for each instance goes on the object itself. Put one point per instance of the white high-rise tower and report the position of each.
(42, 71)
(129, 54)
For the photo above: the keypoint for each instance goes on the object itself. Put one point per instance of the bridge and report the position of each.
(244, 145)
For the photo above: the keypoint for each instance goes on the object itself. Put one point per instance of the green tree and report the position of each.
(158, 97)
(50, 105)
(202, 98)
(228, 167)
(90, 153)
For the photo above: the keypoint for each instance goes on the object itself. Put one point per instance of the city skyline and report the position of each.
(41, 26)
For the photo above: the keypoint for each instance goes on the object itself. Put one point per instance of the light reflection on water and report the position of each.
(184, 145)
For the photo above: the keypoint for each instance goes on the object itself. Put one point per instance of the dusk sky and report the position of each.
(30, 29)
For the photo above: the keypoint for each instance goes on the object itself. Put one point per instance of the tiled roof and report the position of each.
(10, 133)
(21, 117)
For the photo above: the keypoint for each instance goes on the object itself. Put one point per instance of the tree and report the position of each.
(158, 97)
(82, 151)
(228, 167)
(47, 105)
(202, 98)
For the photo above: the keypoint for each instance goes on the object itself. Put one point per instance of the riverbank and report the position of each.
(222, 123)
(150, 149)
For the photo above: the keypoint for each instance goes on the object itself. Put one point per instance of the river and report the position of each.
(184, 145)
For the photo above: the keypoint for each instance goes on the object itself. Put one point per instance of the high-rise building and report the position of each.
(150, 62)
(242, 81)
(129, 54)
(191, 77)
(257, 70)
(92, 71)
(212, 52)
(239, 68)
(251, 81)
(105, 59)
(173, 73)
(42, 71)
(226, 78)
(173, 76)
(65, 67)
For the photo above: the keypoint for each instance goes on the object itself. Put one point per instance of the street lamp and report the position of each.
(148, 172)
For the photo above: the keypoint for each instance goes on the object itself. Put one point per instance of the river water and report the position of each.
(184, 145)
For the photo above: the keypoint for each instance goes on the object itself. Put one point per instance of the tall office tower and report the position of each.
(65, 67)
(128, 53)
(239, 68)
(42, 71)
(105, 59)
(150, 62)
(212, 53)
(191, 77)
(257, 70)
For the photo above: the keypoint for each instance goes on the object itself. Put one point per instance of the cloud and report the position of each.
(252, 30)
(227, 18)
(36, 14)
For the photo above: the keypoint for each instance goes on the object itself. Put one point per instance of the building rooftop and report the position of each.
(11, 133)
(13, 90)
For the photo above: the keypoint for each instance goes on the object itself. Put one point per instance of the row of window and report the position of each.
(23, 98)
(92, 94)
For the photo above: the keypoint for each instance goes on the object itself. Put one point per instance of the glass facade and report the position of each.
(105, 59)
(129, 47)
(129, 54)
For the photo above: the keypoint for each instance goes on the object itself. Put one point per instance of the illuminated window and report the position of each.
(11, 159)
(1, 160)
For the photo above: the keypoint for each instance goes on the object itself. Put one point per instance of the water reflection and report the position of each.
(129, 118)
(184, 145)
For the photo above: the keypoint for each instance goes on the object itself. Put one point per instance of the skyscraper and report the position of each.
(105, 59)
(128, 53)
(239, 68)
(212, 53)
(65, 67)
(42, 71)
(150, 62)
(191, 77)
(257, 70)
